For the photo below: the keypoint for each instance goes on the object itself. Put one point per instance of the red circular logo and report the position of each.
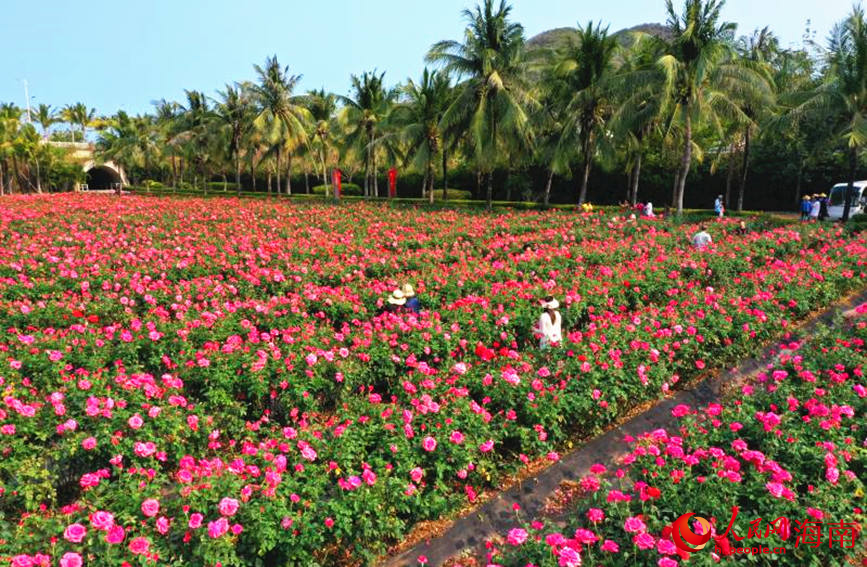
(683, 535)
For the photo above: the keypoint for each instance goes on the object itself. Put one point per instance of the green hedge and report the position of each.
(453, 194)
(345, 189)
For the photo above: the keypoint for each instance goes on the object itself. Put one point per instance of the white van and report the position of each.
(837, 199)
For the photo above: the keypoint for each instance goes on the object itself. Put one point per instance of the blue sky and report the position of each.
(123, 54)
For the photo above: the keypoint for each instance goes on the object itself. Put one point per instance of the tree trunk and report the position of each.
(850, 190)
(731, 173)
(430, 174)
(798, 183)
(2, 183)
(508, 182)
(269, 182)
(586, 150)
(367, 169)
(278, 171)
(375, 176)
(445, 175)
(225, 182)
(745, 168)
(490, 191)
(324, 172)
(38, 178)
(685, 162)
(238, 173)
(306, 181)
(547, 198)
(636, 174)
(289, 173)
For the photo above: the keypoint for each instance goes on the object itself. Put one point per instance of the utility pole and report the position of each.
(27, 98)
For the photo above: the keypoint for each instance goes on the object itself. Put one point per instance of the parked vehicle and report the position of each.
(837, 199)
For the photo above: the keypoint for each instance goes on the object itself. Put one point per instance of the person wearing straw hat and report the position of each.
(396, 302)
(806, 206)
(550, 324)
(412, 302)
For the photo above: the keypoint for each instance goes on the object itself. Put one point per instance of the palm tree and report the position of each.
(167, 120)
(419, 117)
(492, 101)
(45, 116)
(843, 95)
(585, 66)
(756, 53)
(282, 115)
(365, 114)
(234, 116)
(78, 115)
(701, 77)
(322, 107)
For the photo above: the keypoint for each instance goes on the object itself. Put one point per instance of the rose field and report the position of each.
(787, 450)
(213, 381)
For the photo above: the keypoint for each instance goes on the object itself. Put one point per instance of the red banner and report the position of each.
(392, 182)
(335, 181)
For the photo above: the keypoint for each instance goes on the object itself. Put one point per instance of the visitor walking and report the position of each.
(701, 238)
(718, 206)
(823, 206)
(806, 205)
(815, 208)
(412, 302)
(550, 324)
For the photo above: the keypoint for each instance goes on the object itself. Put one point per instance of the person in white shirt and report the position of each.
(701, 238)
(648, 209)
(815, 208)
(550, 324)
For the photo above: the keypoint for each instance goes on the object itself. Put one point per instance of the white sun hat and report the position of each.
(553, 304)
(408, 290)
(397, 298)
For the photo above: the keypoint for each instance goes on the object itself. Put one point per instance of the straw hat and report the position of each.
(408, 290)
(397, 298)
(553, 304)
(822, 195)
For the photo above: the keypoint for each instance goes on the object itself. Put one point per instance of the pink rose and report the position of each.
(102, 520)
(22, 561)
(486, 446)
(416, 474)
(429, 444)
(115, 534)
(218, 528)
(228, 506)
(456, 437)
(516, 536)
(150, 507)
(135, 421)
(70, 560)
(634, 525)
(75, 533)
(88, 444)
(139, 545)
(195, 521)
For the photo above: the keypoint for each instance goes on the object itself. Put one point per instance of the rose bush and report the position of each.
(212, 381)
(789, 445)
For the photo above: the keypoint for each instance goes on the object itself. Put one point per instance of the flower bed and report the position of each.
(787, 450)
(209, 381)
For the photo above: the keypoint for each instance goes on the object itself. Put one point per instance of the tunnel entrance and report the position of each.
(102, 177)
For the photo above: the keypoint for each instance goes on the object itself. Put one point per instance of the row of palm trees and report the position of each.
(492, 102)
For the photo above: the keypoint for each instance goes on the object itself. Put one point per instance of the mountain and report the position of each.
(556, 37)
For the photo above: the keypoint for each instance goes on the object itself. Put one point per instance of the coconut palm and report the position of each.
(234, 115)
(45, 116)
(702, 77)
(419, 117)
(282, 115)
(757, 52)
(843, 95)
(322, 107)
(365, 116)
(166, 123)
(492, 100)
(585, 66)
(78, 115)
